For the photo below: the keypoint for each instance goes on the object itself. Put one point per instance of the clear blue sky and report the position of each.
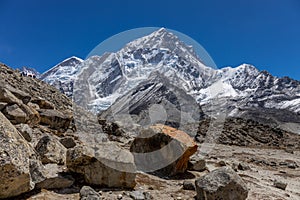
(265, 33)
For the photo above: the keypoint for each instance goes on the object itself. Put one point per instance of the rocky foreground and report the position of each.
(48, 151)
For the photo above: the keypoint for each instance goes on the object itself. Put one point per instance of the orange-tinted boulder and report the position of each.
(163, 150)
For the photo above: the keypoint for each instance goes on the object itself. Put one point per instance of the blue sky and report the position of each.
(264, 33)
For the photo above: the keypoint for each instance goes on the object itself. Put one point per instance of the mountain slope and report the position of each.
(104, 79)
(62, 75)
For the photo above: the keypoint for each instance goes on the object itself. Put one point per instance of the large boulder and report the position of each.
(33, 117)
(106, 165)
(88, 193)
(55, 119)
(21, 113)
(15, 156)
(51, 150)
(223, 183)
(23, 96)
(8, 97)
(55, 177)
(15, 114)
(163, 150)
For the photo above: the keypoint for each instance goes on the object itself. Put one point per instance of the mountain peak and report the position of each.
(70, 59)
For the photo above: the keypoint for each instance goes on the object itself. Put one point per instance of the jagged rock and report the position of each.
(15, 155)
(23, 96)
(88, 193)
(163, 150)
(188, 185)
(68, 142)
(15, 114)
(2, 105)
(51, 150)
(37, 171)
(25, 130)
(107, 164)
(55, 178)
(222, 163)
(197, 164)
(243, 166)
(280, 184)
(33, 116)
(8, 97)
(222, 183)
(55, 119)
(43, 104)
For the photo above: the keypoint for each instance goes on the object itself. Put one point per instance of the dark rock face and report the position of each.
(163, 150)
(280, 184)
(68, 142)
(188, 185)
(222, 183)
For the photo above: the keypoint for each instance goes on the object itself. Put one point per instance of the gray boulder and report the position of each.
(106, 165)
(55, 178)
(8, 97)
(55, 119)
(51, 150)
(88, 193)
(15, 114)
(23, 96)
(15, 155)
(197, 164)
(223, 183)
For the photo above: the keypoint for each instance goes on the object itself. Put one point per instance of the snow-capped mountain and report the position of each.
(28, 71)
(62, 75)
(97, 82)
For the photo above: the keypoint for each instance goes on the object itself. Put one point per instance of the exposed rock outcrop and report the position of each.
(14, 161)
